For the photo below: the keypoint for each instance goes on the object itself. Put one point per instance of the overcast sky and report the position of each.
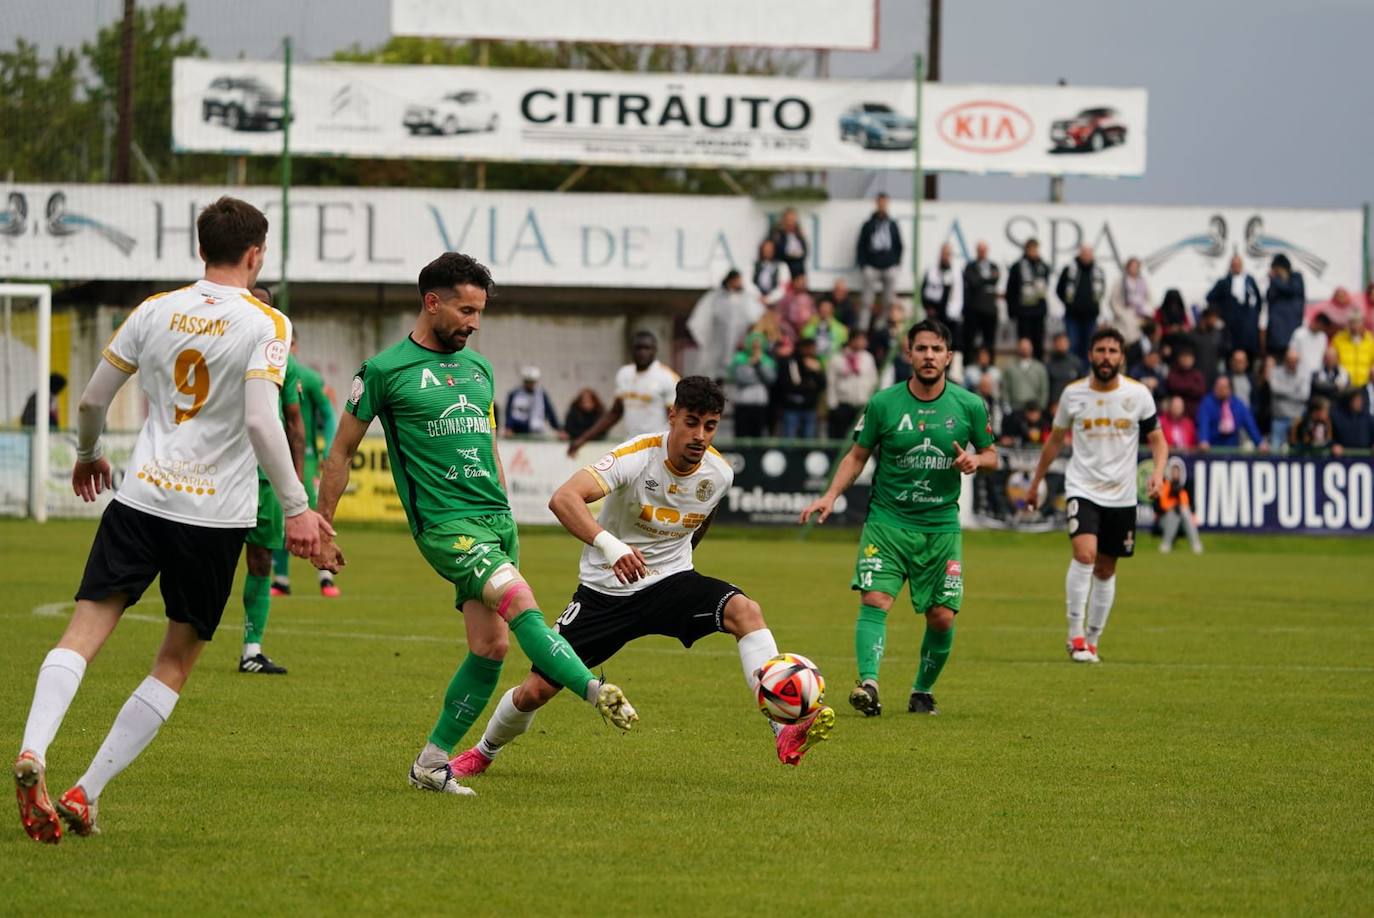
(1252, 102)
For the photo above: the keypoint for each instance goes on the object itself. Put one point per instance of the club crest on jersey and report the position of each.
(275, 352)
(356, 392)
(448, 378)
(605, 462)
(1128, 404)
(705, 490)
(949, 424)
(464, 543)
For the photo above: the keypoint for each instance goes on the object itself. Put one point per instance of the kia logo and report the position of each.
(986, 127)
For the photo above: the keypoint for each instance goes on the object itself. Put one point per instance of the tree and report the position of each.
(45, 126)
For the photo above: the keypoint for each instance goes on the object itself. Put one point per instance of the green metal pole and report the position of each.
(919, 185)
(284, 291)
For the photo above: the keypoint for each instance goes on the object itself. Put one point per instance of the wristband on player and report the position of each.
(612, 548)
(89, 455)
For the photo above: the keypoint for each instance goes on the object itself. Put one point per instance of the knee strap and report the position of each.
(503, 608)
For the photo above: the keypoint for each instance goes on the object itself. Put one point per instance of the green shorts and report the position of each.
(270, 532)
(467, 552)
(312, 475)
(932, 562)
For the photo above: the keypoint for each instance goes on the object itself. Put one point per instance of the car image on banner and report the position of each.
(466, 111)
(875, 126)
(243, 104)
(1090, 131)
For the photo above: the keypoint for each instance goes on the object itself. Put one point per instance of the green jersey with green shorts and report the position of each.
(912, 530)
(270, 531)
(436, 413)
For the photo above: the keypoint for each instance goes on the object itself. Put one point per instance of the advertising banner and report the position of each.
(848, 25)
(379, 235)
(774, 483)
(1267, 494)
(664, 119)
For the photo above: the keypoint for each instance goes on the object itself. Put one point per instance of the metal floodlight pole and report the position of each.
(284, 289)
(918, 184)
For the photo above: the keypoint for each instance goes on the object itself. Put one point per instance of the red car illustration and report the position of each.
(1092, 130)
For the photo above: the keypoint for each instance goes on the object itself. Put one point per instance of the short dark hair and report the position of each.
(1106, 331)
(935, 327)
(643, 334)
(262, 292)
(1029, 242)
(699, 395)
(730, 275)
(453, 268)
(228, 228)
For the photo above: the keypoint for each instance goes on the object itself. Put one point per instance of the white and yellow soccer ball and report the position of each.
(791, 688)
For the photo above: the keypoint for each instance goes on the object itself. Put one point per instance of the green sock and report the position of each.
(550, 651)
(281, 563)
(257, 602)
(468, 693)
(870, 635)
(935, 647)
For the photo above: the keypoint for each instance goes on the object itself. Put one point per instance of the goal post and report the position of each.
(42, 347)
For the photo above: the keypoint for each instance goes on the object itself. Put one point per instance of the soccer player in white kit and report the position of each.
(210, 358)
(1107, 414)
(643, 394)
(636, 577)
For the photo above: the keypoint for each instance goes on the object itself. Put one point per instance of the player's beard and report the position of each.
(1106, 371)
(454, 340)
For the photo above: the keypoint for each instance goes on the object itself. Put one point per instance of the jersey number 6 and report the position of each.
(191, 377)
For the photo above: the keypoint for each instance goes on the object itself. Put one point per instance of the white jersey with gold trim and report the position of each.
(193, 349)
(651, 507)
(1106, 429)
(645, 396)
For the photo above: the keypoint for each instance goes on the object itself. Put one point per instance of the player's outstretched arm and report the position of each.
(305, 529)
(603, 424)
(850, 467)
(334, 473)
(1048, 452)
(1159, 451)
(92, 473)
(569, 504)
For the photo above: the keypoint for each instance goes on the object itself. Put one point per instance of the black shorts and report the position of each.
(197, 564)
(687, 606)
(1113, 526)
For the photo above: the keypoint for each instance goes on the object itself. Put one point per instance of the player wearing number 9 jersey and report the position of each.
(209, 358)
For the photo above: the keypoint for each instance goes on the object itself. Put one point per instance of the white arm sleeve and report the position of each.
(268, 437)
(95, 402)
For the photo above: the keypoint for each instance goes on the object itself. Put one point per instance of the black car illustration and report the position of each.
(1092, 130)
(243, 103)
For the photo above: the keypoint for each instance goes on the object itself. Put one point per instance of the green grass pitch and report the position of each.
(1218, 760)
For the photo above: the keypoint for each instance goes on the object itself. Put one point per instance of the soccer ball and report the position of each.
(791, 688)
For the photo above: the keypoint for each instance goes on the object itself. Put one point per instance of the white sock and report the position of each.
(507, 723)
(58, 679)
(1076, 586)
(593, 692)
(325, 577)
(755, 649)
(138, 722)
(251, 650)
(1099, 607)
(432, 756)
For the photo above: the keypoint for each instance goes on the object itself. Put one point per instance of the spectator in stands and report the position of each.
(1025, 428)
(1026, 381)
(753, 372)
(1238, 369)
(1207, 341)
(719, 321)
(1312, 436)
(826, 332)
(879, 257)
(1355, 349)
(1062, 366)
(586, 409)
(1237, 298)
(1284, 303)
(771, 277)
(983, 368)
(1341, 307)
(1221, 418)
(1172, 315)
(1152, 373)
(1179, 430)
(1352, 426)
(981, 277)
(1174, 504)
(770, 326)
(1331, 379)
(797, 393)
(942, 294)
(1130, 306)
(796, 308)
(529, 410)
(28, 417)
(844, 301)
(1311, 342)
(889, 353)
(1289, 390)
(1186, 381)
(1028, 297)
(851, 379)
(1081, 287)
(644, 392)
(790, 242)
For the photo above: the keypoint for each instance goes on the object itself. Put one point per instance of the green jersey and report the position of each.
(316, 411)
(917, 486)
(436, 412)
(290, 395)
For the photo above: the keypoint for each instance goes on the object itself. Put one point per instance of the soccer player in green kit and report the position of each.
(434, 396)
(927, 432)
(317, 414)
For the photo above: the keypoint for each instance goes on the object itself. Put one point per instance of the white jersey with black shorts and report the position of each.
(1101, 481)
(655, 508)
(189, 494)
